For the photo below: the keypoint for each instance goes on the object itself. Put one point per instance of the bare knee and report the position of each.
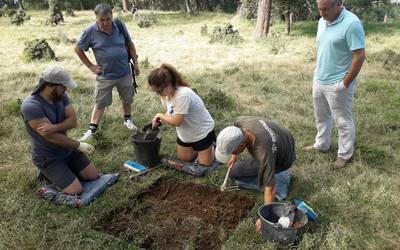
(74, 188)
(89, 173)
(206, 157)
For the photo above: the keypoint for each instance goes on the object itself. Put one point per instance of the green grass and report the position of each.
(358, 206)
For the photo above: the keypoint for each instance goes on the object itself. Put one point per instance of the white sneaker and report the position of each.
(129, 124)
(87, 136)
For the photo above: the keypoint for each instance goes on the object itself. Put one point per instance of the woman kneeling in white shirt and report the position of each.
(186, 111)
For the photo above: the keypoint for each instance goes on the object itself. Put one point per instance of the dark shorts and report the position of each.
(201, 145)
(62, 172)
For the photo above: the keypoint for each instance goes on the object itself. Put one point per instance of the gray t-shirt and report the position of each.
(274, 148)
(109, 50)
(35, 107)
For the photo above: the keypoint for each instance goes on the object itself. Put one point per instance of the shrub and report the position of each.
(388, 58)
(12, 107)
(38, 49)
(19, 17)
(226, 34)
(68, 9)
(146, 21)
(217, 100)
(56, 15)
(204, 30)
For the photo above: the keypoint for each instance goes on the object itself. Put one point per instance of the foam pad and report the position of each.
(92, 190)
(191, 168)
(282, 182)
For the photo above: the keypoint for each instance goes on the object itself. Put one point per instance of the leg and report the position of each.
(103, 99)
(74, 188)
(341, 105)
(81, 166)
(97, 114)
(125, 91)
(205, 149)
(59, 173)
(126, 108)
(244, 168)
(89, 173)
(323, 117)
(185, 153)
(206, 157)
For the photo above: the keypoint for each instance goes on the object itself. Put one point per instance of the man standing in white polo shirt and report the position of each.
(340, 56)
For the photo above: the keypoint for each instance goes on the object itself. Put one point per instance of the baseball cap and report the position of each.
(57, 75)
(228, 141)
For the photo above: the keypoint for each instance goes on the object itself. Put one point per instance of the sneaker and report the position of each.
(341, 162)
(129, 124)
(86, 136)
(312, 148)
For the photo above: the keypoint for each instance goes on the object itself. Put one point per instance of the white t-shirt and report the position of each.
(197, 121)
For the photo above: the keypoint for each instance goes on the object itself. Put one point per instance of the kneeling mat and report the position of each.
(191, 168)
(92, 189)
(282, 182)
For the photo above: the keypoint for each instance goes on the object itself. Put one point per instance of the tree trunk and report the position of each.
(288, 19)
(385, 18)
(20, 5)
(125, 5)
(81, 3)
(263, 18)
(188, 8)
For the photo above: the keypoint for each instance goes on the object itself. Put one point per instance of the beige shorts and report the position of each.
(104, 87)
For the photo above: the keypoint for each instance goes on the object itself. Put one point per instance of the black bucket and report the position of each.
(269, 215)
(146, 150)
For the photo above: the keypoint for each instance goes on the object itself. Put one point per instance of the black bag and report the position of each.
(122, 30)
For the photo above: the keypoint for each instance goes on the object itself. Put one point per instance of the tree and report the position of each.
(125, 5)
(188, 7)
(263, 18)
(56, 15)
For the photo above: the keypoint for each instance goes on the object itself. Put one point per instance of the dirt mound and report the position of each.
(177, 215)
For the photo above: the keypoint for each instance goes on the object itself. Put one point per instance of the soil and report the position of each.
(177, 215)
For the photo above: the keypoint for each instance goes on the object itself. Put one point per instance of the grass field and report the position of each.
(358, 206)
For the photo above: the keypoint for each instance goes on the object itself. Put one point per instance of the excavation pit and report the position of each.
(173, 214)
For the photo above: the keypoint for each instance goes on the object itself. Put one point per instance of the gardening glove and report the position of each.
(86, 148)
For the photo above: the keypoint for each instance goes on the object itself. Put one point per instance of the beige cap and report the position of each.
(228, 141)
(57, 75)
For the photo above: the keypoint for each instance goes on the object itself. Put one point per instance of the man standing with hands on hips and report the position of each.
(110, 43)
(340, 56)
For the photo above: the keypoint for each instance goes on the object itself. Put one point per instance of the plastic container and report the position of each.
(269, 215)
(306, 209)
(146, 151)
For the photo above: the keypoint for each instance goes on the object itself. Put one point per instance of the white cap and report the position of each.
(228, 141)
(57, 75)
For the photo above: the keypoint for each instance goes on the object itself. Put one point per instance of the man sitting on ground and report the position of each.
(48, 115)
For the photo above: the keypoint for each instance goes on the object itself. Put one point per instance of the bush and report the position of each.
(248, 9)
(204, 30)
(68, 9)
(19, 17)
(388, 58)
(226, 34)
(38, 49)
(217, 100)
(56, 15)
(146, 21)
